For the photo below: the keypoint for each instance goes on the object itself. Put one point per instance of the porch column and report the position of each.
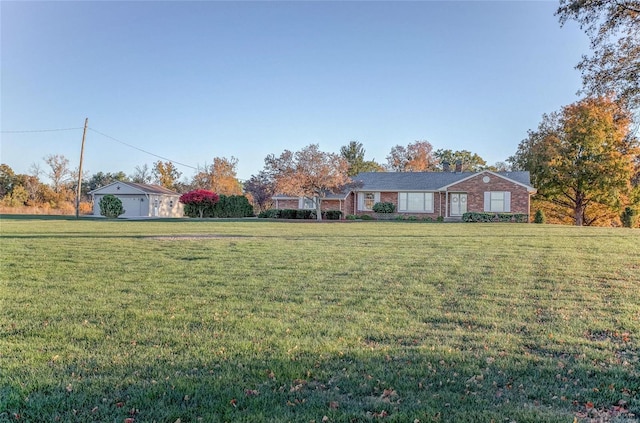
(446, 203)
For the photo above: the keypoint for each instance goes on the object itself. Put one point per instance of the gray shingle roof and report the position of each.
(146, 188)
(423, 181)
(152, 189)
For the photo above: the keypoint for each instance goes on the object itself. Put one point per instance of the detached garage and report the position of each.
(140, 200)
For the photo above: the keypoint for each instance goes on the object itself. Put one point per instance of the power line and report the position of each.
(140, 149)
(40, 130)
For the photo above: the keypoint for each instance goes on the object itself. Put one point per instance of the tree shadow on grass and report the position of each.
(386, 383)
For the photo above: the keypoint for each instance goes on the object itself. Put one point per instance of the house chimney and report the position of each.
(445, 166)
(458, 166)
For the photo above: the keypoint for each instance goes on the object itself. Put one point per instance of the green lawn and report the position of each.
(257, 321)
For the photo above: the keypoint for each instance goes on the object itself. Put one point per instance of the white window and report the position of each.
(497, 201)
(307, 203)
(415, 202)
(369, 200)
(366, 200)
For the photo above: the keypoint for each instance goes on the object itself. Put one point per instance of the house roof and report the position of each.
(426, 181)
(417, 181)
(144, 188)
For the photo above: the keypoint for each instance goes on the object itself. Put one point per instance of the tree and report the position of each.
(353, 153)
(59, 171)
(220, 177)
(33, 187)
(310, 173)
(416, 157)
(261, 188)
(141, 175)
(469, 161)
(613, 27)
(166, 174)
(582, 159)
(199, 200)
(500, 167)
(7, 179)
(101, 179)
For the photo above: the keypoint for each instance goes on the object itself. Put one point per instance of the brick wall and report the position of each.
(475, 188)
(392, 197)
(327, 204)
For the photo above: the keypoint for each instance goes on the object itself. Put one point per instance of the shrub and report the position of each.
(351, 217)
(412, 219)
(305, 214)
(399, 217)
(427, 219)
(495, 217)
(628, 217)
(440, 219)
(111, 206)
(384, 207)
(539, 217)
(269, 214)
(332, 214)
(232, 206)
(288, 213)
(366, 217)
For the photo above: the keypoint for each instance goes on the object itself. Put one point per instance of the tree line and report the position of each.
(19, 190)
(584, 159)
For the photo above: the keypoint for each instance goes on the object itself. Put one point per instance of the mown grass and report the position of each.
(258, 321)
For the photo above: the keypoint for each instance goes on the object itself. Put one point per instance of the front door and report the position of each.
(458, 204)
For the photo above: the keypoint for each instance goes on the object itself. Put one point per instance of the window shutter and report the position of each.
(487, 201)
(376, 197)
(507, 202)
(360, 201)
(402, 201)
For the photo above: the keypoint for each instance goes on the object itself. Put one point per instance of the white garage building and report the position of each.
(140, 200)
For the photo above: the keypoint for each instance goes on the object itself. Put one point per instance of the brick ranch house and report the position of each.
(428, 194)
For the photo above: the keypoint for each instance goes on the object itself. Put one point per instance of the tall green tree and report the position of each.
(470, 162)
(166, 174)
(7, 179)
(354, 153)
(582, 159)
(613, 27)
(100, 179)
(308, 173)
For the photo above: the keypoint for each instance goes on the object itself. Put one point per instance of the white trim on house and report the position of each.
(497, 201)
(408, 200)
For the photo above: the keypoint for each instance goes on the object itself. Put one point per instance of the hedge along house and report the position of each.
(140, 200)
(329, 202)
(446, 194)
(429, 194)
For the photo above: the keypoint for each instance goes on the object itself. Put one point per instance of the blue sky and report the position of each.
(190, 81)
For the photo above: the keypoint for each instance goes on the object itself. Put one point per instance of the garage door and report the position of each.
(131, 206)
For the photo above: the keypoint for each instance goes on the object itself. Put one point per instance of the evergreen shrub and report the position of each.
(111, 206)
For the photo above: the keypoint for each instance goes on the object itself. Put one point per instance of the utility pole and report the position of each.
(79, 191)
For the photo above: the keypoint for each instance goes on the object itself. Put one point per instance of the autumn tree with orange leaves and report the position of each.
(416, 157)
(308, 173)
(583, 161)
(219, 177)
